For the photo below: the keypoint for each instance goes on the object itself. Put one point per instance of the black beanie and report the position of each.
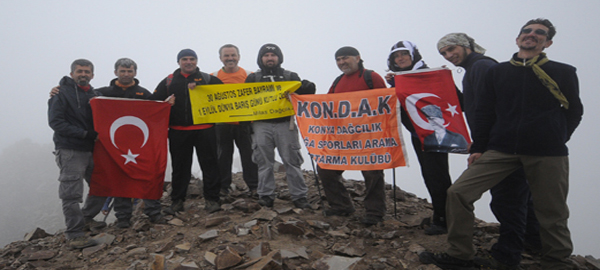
(269, 47)
(346, 51)
(186, 52)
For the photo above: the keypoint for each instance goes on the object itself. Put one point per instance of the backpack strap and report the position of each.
(169, 80)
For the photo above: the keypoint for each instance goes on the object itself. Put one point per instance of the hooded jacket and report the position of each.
(517, 114)
(70, 116)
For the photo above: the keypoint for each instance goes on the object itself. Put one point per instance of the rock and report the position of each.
(318, 224)
(270, 262)
(283, 209)
(210, 257)
(91, 250)
(104, 238)
(264, 214)
(158, 262)
(262, 249)
(185, 247)
(215, 221)
(187, 266)
(209, 235)
(37, 233)
(176, 222)
(416, 248)
(41, 255)
(330, 262)
(251, 223)
(289, 228)
(227, 259)
(242, 231)
(117, 250)
(164, 246)
(136, 251)
(141, 225)
(338, 234)
(294, 252)
(350, 249)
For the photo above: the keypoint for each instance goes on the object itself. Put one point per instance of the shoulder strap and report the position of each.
(258, 75)
(367, 75)
(287, 75)
(206, 77)
(169, 80)
(335, 82)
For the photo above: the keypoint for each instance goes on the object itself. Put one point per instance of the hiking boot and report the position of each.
(82, 242)
(436, 230)
(301, 203)
(212, 206)
(371, 220)
(445, 261)
(338, 212)
(491, 263)
(123, 223)
(252, 194)
(266, 201)
(176, 206)
(92, 225)
(158, 219)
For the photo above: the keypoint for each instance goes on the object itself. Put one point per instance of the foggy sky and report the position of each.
(40, 39)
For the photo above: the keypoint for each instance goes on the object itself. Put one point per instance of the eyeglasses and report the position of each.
(540, 32)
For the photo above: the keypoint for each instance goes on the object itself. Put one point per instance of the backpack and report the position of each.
(205, 77)
(367, 75)
(287, 75)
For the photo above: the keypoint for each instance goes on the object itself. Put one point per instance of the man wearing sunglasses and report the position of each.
(526, 112)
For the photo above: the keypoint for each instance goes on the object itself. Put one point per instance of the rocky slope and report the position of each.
(246, 236)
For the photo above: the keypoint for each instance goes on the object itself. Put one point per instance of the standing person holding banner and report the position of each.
(404, 56)
(280, 133)
(240, 132)
(354, 78)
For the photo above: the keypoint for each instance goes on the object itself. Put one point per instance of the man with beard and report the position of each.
(70, 116)
(511, 199)
(531, 136)
(184, 136)
(354, 78)
(240, 132)
(280, 133)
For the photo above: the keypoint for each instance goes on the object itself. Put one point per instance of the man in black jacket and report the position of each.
(280, 133)
(70, 116)
(511, 199)
(527, 111)
(184, 136)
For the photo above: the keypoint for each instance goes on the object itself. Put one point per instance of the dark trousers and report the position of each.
(339, 198)
(513, 207)
(435, 171)
(241, 134)
(181, 145)
(124, 207)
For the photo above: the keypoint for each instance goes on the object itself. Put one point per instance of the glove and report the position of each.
(91, 135)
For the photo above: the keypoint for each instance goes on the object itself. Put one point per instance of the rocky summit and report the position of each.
(244, 235)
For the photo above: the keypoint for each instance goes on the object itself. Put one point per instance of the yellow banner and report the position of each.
(218, 103)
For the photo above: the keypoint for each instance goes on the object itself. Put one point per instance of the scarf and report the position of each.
(535, 63)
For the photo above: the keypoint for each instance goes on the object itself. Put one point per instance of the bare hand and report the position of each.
(389, 76)
(192, 85)
(54, 91)
(473, 157)
(170, 100)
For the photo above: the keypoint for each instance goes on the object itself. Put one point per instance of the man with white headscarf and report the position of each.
(511, 199)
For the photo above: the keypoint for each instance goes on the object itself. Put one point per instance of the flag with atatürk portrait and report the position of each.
(429, 98)
(130, 155)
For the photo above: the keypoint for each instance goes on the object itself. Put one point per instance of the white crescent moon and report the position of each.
(128, 120)
(411, 108)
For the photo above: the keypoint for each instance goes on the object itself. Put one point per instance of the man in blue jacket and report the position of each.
(527, 111)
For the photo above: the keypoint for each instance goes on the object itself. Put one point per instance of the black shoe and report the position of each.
(92, 225)
(445, 261)
(123, 223)
(338, 212)
(371, 220)
(158, 219)
(436, 230)
(301, 203)
(212, 206)
(491, 263)
(266, 201)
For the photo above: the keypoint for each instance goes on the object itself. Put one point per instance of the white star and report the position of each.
(130, 157)
(452, 109)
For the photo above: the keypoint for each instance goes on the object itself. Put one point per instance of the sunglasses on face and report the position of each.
(540, 32)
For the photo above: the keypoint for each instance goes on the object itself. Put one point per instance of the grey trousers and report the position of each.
(266, 137)
(74, 167)
(548, 178)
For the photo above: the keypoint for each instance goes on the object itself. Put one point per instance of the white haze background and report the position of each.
(41, 38)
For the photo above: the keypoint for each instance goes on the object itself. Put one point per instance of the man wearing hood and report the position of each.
(280, 133)
(511, 199)
(532, 136)
(184, 136)
(354, 78)
(405, 56)
(70, 116)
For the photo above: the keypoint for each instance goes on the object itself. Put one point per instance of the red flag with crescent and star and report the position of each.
(429, 98)
(130, 155)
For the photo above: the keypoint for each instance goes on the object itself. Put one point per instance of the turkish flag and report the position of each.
(429, 97)
(130, 155)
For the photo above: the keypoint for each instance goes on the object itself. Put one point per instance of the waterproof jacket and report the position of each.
(476, 66)
(70, 116)
(181, 112)
(517, 114)
(134, 91)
